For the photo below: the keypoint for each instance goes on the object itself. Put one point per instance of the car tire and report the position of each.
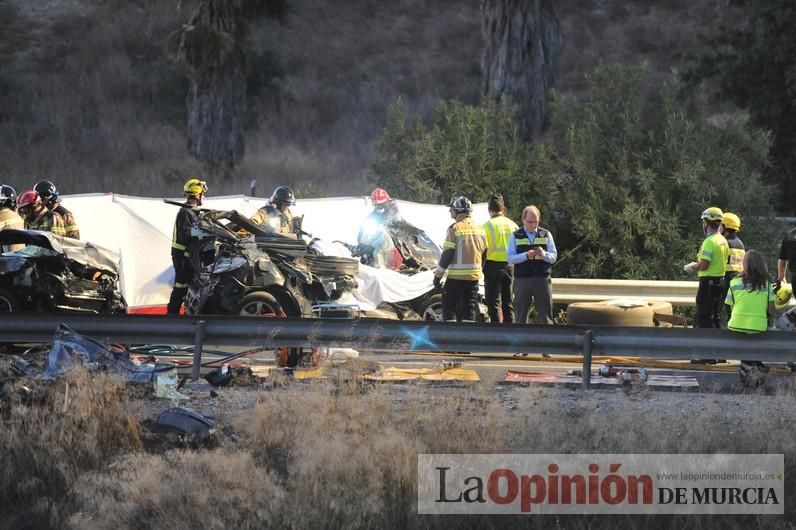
(430, 307)
(262, 304)
(8, 301)
(606, 314)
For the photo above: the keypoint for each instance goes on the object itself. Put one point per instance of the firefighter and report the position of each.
(37, 216)
(276, 216)
(498, 272)
(730, 226)
(187, 217)
(712, 259)
(462, 256)
(49, 197)
(9, 218)
(374, 242)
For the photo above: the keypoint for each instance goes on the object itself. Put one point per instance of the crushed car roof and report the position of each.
(83, 252)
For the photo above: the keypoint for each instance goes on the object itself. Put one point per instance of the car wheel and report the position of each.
(431, 308)
(8, 301)
(262, 304)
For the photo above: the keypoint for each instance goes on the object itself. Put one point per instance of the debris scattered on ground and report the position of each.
(70, 349)
(183, 425)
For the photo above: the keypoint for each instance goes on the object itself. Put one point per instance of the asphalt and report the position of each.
(492, 369)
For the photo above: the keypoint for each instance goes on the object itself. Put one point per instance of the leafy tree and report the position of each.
(621, 178)
(475, 150)
(634, 172)
(754, 63)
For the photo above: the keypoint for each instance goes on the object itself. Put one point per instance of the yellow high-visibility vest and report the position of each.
(498, 231)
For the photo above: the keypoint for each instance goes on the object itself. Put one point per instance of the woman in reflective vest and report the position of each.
(751, 296)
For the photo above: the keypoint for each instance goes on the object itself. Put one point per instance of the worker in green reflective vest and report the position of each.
(498, 272)
(712, 259)
(751, 296)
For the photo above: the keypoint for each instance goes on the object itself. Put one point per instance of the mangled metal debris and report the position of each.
(58, 274)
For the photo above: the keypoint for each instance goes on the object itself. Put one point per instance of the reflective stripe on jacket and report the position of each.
(467, 242)
(272, 220)
(498, 231)
(536, 266)
(48, 222)
(70, 225)
(181, 236)
(737, 252)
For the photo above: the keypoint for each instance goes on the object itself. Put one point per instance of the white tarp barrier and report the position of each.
(140, 230)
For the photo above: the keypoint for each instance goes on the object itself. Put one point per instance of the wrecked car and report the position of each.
(401, 246)
(53, 273)
(397, 245)
(254, 273)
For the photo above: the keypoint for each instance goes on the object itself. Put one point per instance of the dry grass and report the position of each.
(314, 455)
(51, 434)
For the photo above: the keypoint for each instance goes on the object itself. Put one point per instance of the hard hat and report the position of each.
(379, 196)
(713, 214)
(46, 190)
(731, 221)
(783, 295)
(461, 204)
(27, 198)
(283, 195)
(8, 197)
(195, 187)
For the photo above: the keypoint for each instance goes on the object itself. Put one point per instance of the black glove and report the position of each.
(438, 282)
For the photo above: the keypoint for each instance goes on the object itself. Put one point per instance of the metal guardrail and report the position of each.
(665, 343)
(569, 290)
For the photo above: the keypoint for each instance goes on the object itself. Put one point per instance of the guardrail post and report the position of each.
(198, 343)
(588, 342)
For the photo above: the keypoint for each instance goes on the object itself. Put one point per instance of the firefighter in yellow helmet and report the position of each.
(194, 191)
(710, 264)
(730, 226)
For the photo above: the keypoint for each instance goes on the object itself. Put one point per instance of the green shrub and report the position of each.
(635, 166)
(621, 177)
(471, 150)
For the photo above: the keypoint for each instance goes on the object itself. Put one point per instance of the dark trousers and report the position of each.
(536, 291)
(708, 302)
(727, 309)
(498, 282)
(183, 273)
(459, 300)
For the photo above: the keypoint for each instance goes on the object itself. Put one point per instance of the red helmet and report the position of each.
(379, 196)
(27, 198)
